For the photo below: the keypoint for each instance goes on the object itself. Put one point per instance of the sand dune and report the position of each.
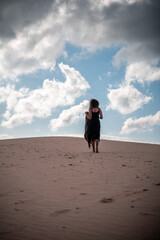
(55, 188)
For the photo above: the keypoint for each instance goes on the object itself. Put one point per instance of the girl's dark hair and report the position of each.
(94, 103)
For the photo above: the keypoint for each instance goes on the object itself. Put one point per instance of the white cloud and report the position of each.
(108, 74)
(5, 136)
(142, 72)
(30, 50)
(136, 52)
(108, 2)
(126, 99)
(140, 124)
(69, 116)
(40, 102)
(10, 96)
(115, 138)
(33, 39)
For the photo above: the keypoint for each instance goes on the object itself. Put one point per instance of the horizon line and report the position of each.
(103, 137)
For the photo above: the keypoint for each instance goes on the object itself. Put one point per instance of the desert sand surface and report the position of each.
(55, 188)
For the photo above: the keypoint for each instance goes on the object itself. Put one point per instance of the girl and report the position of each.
(94, 127)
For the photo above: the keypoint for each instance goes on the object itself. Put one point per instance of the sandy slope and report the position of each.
(56, 188)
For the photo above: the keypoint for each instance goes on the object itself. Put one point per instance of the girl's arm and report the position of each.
(100, 113)
(89, 116)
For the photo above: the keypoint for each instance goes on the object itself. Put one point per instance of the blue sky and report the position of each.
(58, 55)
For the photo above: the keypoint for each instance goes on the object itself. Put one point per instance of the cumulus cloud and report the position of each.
(140, 124)
(142, 73)
(108, 2)
(17, 15)
(40, 102)
(115, 138)
(5, 136)
(34, 33)
(69, 116)
(136, 52)
(10, 96)
(126, 99)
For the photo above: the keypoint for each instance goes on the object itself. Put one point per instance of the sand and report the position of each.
(56, 188)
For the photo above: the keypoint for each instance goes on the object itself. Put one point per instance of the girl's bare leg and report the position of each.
(93, 145)
(97, 146)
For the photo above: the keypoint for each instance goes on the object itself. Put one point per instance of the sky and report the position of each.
(56, 55)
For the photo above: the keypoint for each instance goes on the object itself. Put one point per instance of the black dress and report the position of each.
(94, 131)
(92, 128)
(87, 131)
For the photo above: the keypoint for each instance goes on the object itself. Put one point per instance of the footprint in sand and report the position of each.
(106, 200)
(20, 202)
(69, 156)
(59, 212)
(146, 214)
(145, 190)
(157, 184)
(17, 209)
